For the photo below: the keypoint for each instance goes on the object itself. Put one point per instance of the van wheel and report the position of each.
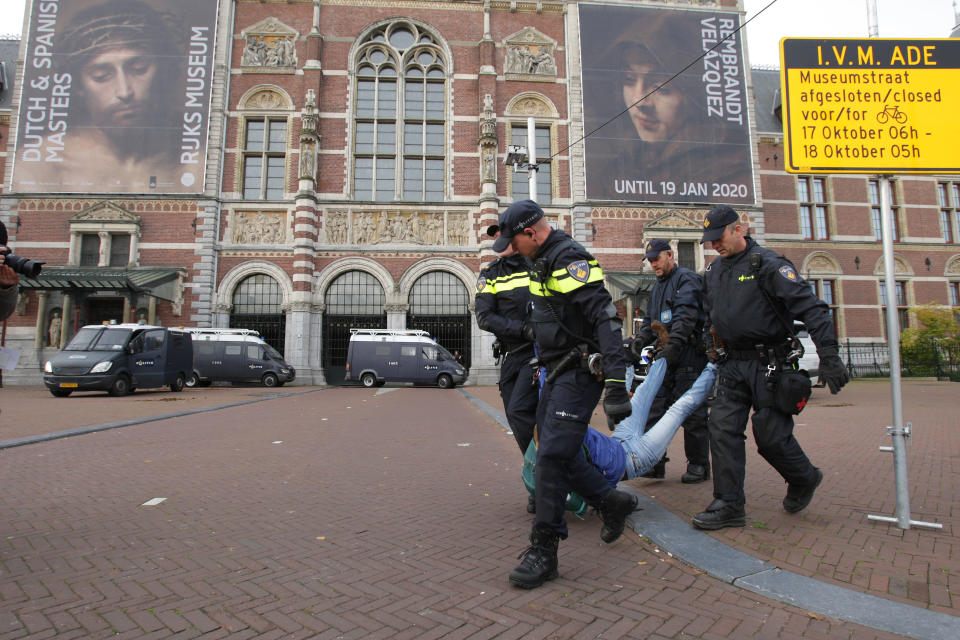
(177, 385)
(193, 380)
(368, 380)
(61, 393)
(270, 380)
(120, 386)
(445, 381)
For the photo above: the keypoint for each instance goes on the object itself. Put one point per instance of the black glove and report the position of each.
(833, 372)
(526, 332)
(671, 353)
(636, 349)
(616, 402)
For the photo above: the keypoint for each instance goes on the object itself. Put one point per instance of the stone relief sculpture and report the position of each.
(259, 228)
(336, 226)
(259, 53)
(529, 52)
(269, 43)
(396, 227)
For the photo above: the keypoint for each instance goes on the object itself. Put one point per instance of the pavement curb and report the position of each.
(699, 550)
(66, 433)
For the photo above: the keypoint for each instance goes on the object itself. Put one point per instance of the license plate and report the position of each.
(68, 385)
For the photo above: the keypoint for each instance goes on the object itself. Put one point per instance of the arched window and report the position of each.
(439, 304)
(400, 115)
(355, 300)
(257, 305)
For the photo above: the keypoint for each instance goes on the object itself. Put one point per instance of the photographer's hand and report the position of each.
(8, 277)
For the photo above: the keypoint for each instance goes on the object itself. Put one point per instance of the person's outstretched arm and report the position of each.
(645, 449)
(641, 401)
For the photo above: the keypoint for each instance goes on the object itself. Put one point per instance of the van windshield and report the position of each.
(273, 353)
(96, 339)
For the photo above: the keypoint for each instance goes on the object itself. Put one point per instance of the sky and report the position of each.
(785, 18)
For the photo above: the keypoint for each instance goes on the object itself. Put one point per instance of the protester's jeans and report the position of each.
(645, 449)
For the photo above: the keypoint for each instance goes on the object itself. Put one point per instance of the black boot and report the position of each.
(798, 497)
(539, 561)
(696, 473)
(614, 509)
(659, 470)
(721, 514)
(531, 504)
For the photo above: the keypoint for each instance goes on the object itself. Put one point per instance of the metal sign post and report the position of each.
(898, 431)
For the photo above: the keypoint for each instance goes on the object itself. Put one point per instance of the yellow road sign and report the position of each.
(870, 105)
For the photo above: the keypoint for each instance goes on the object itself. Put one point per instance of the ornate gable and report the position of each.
(675, 219)
(105, 211)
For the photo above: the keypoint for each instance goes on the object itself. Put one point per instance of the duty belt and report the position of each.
(759, 352)
(514, 347)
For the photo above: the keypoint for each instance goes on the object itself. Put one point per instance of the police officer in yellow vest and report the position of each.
(572, 317)
(501, 301)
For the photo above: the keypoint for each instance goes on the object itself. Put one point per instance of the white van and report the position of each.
(377, 356)
(236, 355)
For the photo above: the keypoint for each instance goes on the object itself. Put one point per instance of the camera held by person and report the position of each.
(29, 268)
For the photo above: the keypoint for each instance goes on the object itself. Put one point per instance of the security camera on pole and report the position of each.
(518, 157)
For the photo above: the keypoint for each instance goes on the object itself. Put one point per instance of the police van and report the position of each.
(119, 358)
(378, 356)
(235, 355)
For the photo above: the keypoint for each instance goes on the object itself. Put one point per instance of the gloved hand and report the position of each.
(636, 349)
(526, 331)
(616, 402)
(671, 353)
(833, 372)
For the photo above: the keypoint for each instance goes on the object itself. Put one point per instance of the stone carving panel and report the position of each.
(397, 227)
(529, 55)
(269, 43)
(259, 227)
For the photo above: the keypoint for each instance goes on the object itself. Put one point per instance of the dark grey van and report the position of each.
(119, 358)
(378, 356)
(236, 355)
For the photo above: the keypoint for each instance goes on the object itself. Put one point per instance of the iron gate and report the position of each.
(257, 304)
(439, 305)
(355, 300)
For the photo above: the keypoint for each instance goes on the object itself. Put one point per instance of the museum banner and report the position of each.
(665, 105)
(115, 96)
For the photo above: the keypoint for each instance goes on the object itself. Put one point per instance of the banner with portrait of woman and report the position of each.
(115, 96)
(665, 105)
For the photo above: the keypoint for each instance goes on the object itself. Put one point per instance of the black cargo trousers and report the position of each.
(741, 387)
(520, 393)
(566, 406)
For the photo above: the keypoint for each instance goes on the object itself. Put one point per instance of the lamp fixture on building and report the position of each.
(927, 262)
(856, 261)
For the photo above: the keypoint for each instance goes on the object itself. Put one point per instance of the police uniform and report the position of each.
(570, 307)
(501, 300)
(675, 302)
(743, 318)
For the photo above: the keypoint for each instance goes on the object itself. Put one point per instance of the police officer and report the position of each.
(501, 300)
(675, 302)
(752, 326)
(572, 316)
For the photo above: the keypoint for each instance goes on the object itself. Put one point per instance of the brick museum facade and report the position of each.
(319, 165)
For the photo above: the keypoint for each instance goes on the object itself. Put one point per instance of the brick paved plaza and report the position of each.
(397, 513)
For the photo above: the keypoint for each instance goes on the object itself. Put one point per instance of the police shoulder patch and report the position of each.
(789, 273)
(481, 284)
(579, 270)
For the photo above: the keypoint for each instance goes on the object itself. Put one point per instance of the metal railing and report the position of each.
(929, 358)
